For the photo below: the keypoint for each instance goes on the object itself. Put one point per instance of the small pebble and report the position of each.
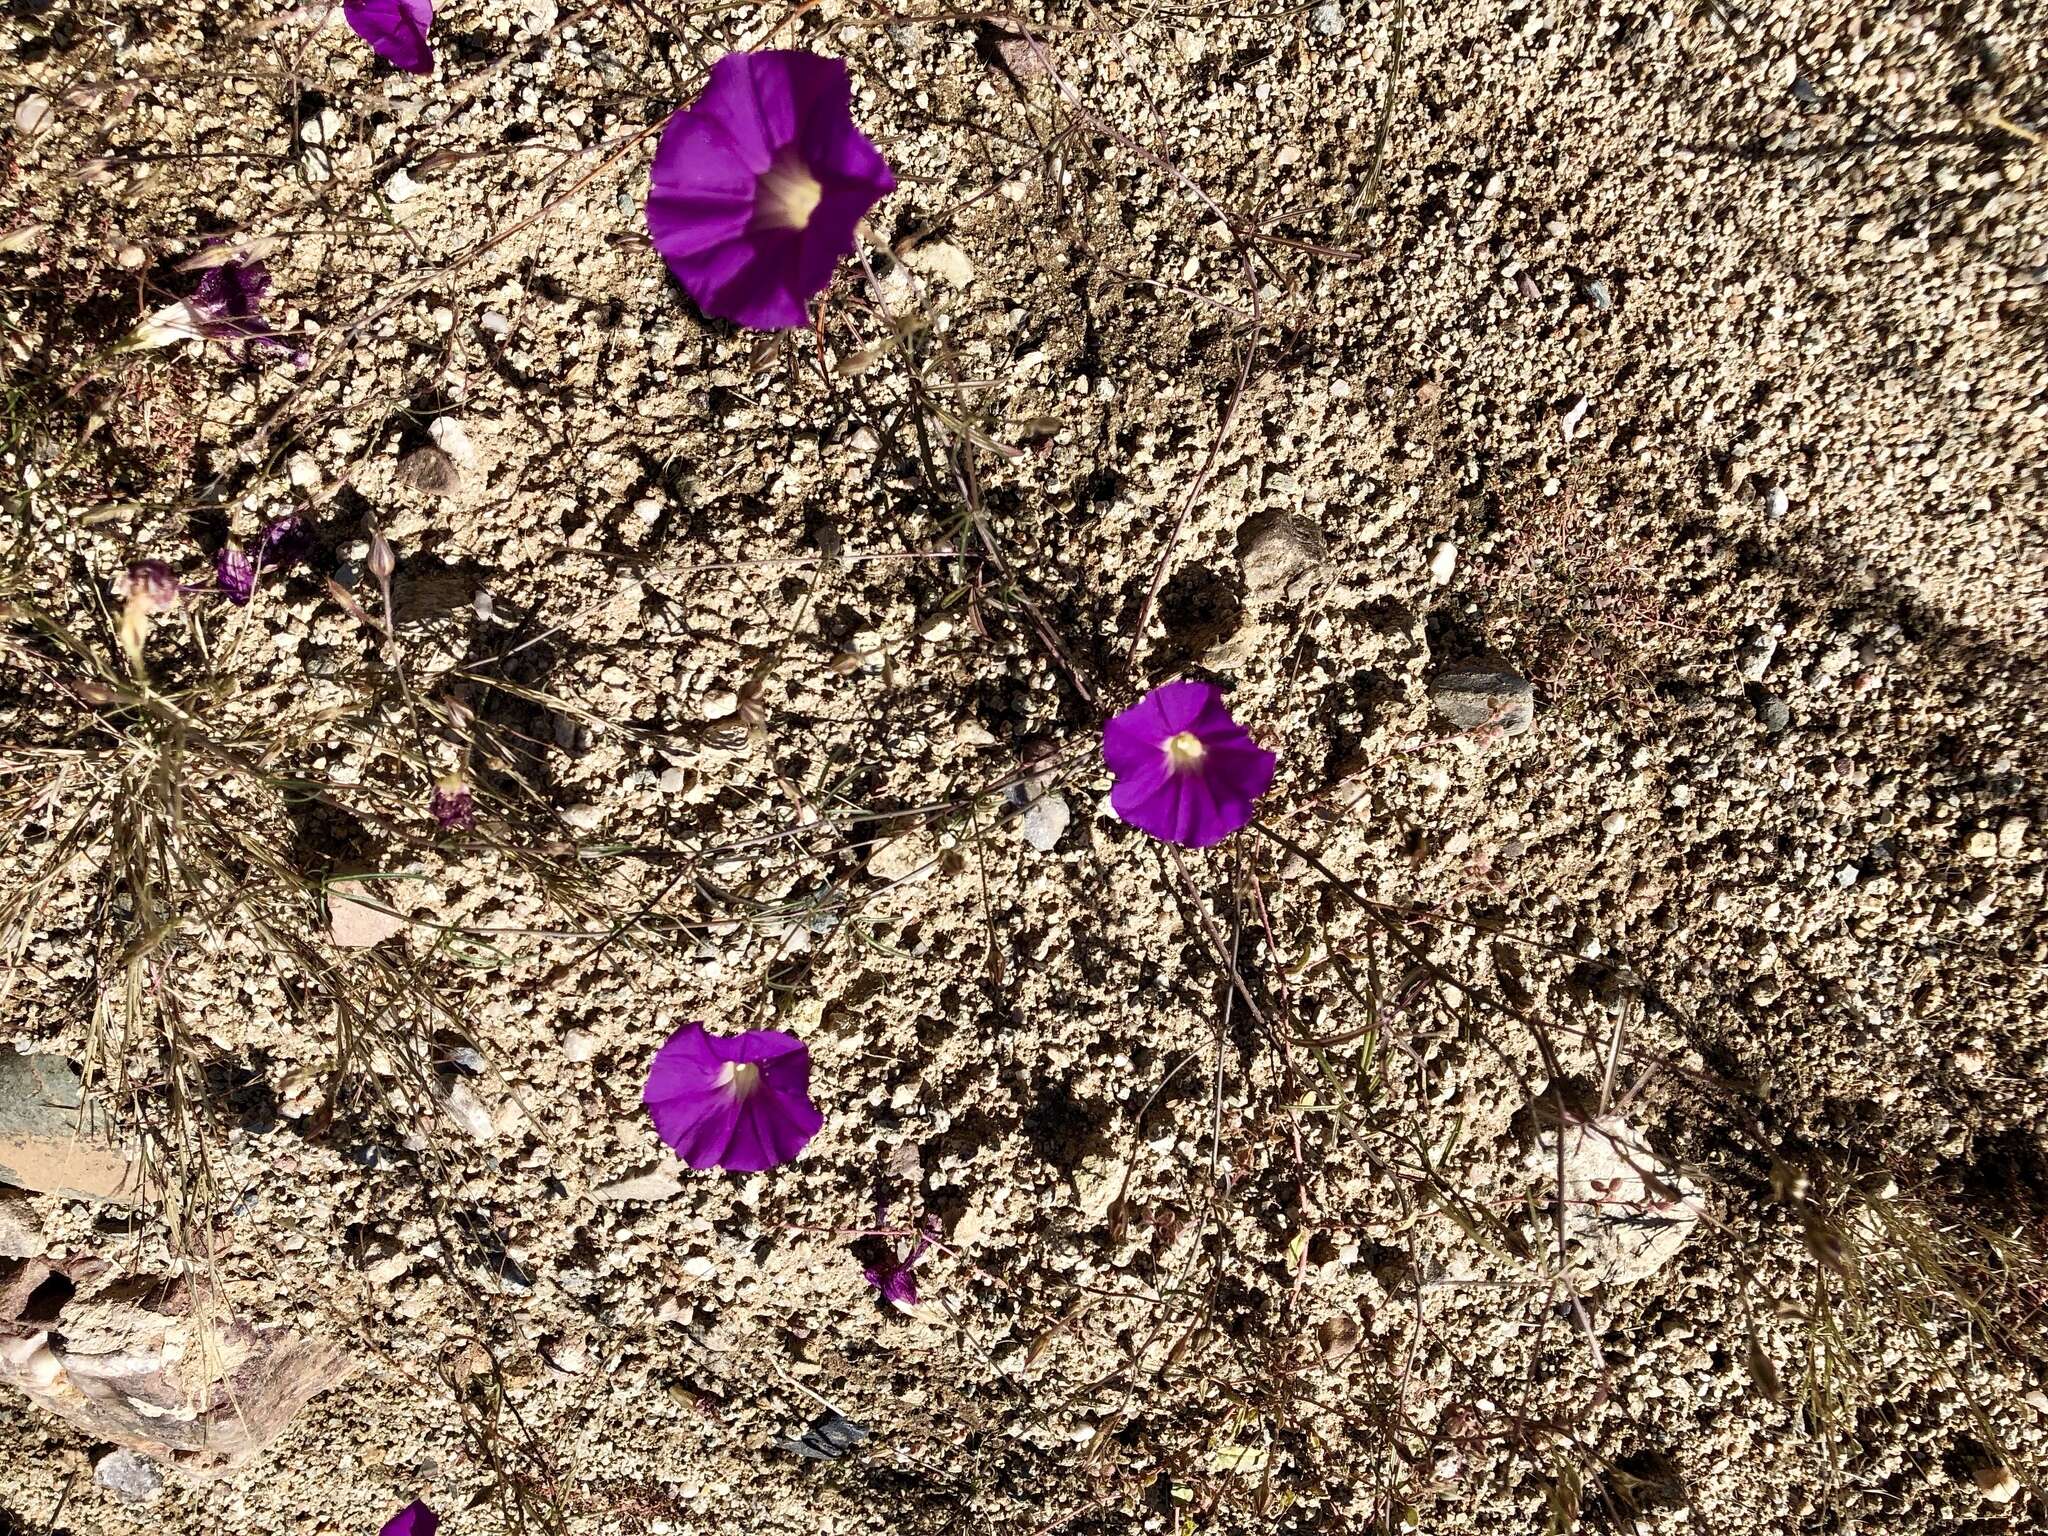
(2012, 836)
(34, 116)
(1569, 422)
(1775, 714)
(1999, 1485)
(1326, 20)
(1484, 698)
(1044, 820)
(1443, 563)
(1758, 651)
(579, 1045)
(129, 1477)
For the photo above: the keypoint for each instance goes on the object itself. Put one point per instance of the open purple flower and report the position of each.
(758, 185)
(396, 29)
(283, 545)
(741, 1102)
(1185, 771)
(413, 1520)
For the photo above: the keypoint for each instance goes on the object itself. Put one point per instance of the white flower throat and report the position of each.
(742, 1077)
(1184, 752)
(788, 195)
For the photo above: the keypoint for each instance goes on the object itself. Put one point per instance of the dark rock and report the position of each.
(828, 1439)
(1479, 696)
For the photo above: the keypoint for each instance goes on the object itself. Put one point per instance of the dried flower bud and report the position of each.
(383, 561)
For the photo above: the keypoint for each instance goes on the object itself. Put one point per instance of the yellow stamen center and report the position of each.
(742, 1077)
(1184, 751)
(789, 194)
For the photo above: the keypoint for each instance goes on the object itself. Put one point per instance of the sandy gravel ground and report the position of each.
(1686, 364)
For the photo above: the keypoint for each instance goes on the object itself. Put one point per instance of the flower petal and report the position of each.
(413, 1520)
(396, 30)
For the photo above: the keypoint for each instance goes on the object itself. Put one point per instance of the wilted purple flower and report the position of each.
(234, 572)
(453, 805)
(740, 1102)
(396, 29)
(413, 1520)
(283, 545)
(227, 306)
(757, 187)
(146, 589)
(894, 1280)
(149, 586)
(286, 541)
(1185, 771)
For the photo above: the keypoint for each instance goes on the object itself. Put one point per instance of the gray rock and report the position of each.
(21, 1235)
(1276, 551)
(155, 1365)
(1044, 820)
(47, 1143)
(128, 1477)
(657, 1183)
(1759, 648)
(1775, 714)
(1627, 1212)
(1479, 696)
(429, 469)
(1326, 20)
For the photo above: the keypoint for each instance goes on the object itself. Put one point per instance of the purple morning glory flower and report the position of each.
(1185, 771)
(740, 1102)
(396, 29)
(284, 544)
(758, 185)
(227, 306)
(413, 1520)
(286, 541)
